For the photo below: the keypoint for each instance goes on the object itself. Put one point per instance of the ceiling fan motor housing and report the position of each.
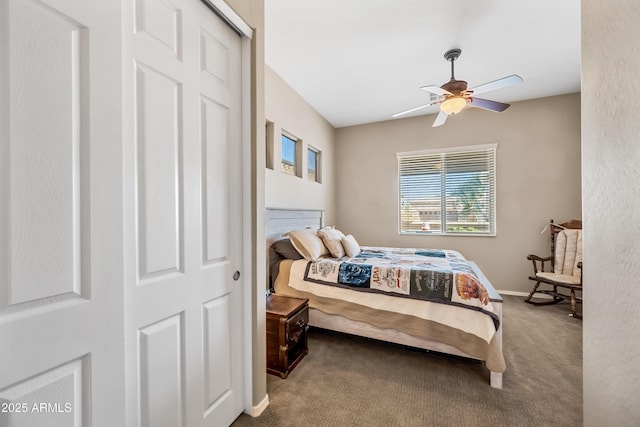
(455, 86)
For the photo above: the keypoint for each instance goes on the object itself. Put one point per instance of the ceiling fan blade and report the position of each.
(497, 84)
(442, 117)
(402, 113)
(489, 105)
(437, 90)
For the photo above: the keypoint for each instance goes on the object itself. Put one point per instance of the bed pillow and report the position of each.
(332, 239)
(285, 249)
(307, 243)
(351, 247)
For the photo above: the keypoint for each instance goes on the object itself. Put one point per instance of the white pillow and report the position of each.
(332, 239)
(351, 247)
(307, 243)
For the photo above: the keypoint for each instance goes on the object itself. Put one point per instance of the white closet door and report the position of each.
(184, 310)
(61, 256)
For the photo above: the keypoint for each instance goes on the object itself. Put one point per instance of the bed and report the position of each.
(413, 315)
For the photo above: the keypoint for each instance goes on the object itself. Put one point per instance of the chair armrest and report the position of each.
(538, 258)
(535, 259)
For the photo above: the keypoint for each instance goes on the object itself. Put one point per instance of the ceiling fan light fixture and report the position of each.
(453, 105)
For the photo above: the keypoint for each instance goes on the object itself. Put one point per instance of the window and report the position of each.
(448, 191)
(313, 164)
(269, 144)
(289, 163)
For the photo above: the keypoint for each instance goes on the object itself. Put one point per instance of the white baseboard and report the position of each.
(257, 410)
(523, 294)
(516, 293)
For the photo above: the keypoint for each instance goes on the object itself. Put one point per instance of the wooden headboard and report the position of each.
(279, 221)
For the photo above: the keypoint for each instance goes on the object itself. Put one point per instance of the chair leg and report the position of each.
(573, 305)
(533, 291)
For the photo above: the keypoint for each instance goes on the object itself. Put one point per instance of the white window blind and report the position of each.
(448, 191)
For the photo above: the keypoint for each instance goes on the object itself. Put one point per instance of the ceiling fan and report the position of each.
(453, 96)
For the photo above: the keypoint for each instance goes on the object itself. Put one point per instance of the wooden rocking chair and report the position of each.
(566, 267)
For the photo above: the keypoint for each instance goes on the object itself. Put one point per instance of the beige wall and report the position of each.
(611, 183)
(537, 170)
(289, 112)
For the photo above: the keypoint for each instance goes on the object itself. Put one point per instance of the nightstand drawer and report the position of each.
(296, 326)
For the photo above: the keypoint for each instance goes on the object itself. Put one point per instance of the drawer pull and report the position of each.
(295, 338)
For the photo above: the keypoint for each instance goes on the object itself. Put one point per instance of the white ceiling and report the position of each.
(360, 61)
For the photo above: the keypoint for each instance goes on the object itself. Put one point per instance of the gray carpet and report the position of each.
(353, 381)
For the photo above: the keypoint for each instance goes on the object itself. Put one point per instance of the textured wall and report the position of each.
(611, 205)
(538, 178)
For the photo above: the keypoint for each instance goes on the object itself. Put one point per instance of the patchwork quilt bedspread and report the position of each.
(436, 275)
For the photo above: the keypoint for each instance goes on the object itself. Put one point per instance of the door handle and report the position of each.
(236, 275)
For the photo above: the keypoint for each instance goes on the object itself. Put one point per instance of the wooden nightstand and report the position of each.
(287, 320)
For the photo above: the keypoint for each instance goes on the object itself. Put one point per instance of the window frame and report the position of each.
(430, 155)
(269, 146)
(297, 154)
(318, 155)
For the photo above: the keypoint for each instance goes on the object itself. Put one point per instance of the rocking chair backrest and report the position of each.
(568, 252)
